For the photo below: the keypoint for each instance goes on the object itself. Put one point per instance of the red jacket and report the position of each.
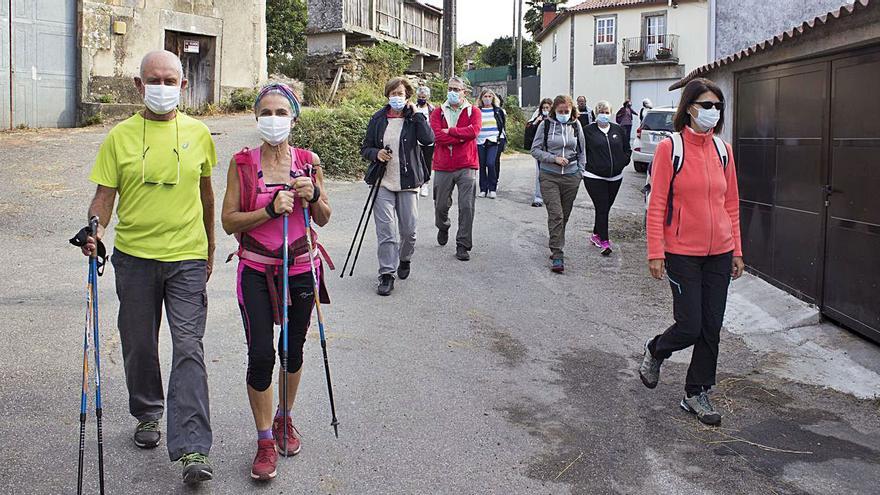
(705, 201)
(457, 149)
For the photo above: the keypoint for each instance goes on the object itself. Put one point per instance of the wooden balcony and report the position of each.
(410, 22)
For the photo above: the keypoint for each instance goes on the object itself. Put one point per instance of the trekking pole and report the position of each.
(360, 222)
(284, 296)
(93, 286)
(317, 286)
(85, 387)
(364, 232)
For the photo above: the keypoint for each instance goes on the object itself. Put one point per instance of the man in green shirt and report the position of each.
(159, 162)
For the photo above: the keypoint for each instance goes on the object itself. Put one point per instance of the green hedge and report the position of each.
(335, 134)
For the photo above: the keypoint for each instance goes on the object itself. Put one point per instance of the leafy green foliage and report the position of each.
(502, 51)
(335, 134)
(534, 19)
(241, 99)
(285, 37)
(385, 60)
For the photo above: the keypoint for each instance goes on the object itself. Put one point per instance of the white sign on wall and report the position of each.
(190, 46)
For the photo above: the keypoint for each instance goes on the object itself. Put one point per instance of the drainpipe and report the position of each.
(712, 26)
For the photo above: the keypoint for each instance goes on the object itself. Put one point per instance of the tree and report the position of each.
(534, 17)
(502, 51)
(286, 36)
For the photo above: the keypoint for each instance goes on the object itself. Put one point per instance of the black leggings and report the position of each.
(259, 324)
(603, 193)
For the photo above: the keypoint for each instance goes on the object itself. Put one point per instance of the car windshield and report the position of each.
(658, 121)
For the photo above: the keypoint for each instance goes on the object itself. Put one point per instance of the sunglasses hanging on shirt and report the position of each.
(154, 170)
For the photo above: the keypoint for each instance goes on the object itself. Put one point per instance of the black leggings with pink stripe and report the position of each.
(259, 325)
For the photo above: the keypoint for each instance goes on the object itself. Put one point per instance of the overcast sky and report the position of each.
(483, 20)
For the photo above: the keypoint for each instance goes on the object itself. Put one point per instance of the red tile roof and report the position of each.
(807, 26)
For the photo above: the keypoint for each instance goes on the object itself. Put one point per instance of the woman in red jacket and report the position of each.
(693, 233)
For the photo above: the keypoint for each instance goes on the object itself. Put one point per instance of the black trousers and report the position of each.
(428, 155)
(603, 193)
(699, 296)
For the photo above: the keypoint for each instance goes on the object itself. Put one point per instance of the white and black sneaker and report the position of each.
(147, 434)
(700, 406)
(649, 370)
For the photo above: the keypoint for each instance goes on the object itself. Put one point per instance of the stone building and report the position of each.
(75, 58)
(336, 26)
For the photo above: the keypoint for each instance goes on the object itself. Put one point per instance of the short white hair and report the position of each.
(647, 103)
(456, 79)
(156, 53)
(603, 105)
(424, 90)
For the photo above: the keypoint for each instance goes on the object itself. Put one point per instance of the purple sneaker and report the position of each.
(596, 240)
(606, 248)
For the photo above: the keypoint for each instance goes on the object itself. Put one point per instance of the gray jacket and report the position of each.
(566, 140)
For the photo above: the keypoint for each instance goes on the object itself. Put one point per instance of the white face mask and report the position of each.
(161, 99)
(707, 119)
(487, 102)
(545, 112)
(274, 129)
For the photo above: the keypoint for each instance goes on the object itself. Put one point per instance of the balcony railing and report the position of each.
(410, 22)
(661, 49)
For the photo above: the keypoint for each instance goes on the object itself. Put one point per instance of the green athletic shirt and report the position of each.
(158, 221)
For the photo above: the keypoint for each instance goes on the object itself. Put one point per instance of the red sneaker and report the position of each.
(265, 461)
(293, 442)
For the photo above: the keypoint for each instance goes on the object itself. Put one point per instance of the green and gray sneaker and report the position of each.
(196, 468)
(147, 435)
(649, 370)
(702, 408)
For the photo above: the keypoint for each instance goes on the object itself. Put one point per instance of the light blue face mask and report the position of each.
(603, 118)
(562, 117)
(397, 102)
(453, 97)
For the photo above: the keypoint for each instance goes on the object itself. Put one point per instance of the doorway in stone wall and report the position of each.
(197, 54)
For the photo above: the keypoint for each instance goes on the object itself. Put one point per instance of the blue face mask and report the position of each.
(397, 102)
(603, 118)
(562, 117)
(453, 97)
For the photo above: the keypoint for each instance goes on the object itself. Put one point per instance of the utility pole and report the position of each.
(447, 60)
(519, 41)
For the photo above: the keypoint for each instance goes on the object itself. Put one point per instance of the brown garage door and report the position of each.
(807, 150)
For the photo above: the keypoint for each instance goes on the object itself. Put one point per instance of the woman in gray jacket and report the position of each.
(559, 148)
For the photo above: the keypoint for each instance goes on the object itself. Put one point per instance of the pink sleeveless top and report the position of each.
(271, 233)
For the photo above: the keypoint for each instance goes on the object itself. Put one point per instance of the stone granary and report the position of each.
(336, 26)
(76, 58)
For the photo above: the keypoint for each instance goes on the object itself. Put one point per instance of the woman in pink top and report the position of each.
(262, 185)
(693, 233)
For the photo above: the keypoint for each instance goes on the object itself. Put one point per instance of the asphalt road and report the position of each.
(491, 376)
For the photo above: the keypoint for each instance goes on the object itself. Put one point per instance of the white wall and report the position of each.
(608, 82)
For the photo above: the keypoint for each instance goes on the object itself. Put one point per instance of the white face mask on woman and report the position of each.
(161, 99)
(487, 102)
(274, 129)
(707, 119)
(397, 102)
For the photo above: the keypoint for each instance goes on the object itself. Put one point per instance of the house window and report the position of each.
(606, 31)
(555, 43)
(655, 29)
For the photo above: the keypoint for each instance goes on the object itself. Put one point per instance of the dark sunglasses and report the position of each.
(456, 90)
(709, 104)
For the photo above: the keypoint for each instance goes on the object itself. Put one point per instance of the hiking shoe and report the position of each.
(649, 370)
(557, 266)
(482, 194)
(704, 410)
(462, 254)
(423, 192)
(403, 270)
(606, 248)
(442, 237)
(147, 434)
(537, 204)
(596, 240)
(492, 195)
(294, 445)
(265, 461)
(196, 468)
(386, 284)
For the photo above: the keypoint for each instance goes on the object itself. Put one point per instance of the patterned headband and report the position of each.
(281, 89)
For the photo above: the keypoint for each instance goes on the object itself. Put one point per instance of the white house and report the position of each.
(617, 49)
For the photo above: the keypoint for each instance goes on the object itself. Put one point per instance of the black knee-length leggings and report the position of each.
(259, 325)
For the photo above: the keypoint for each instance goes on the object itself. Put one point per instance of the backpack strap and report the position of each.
(546, 132)
(677, 163)
(721, 149)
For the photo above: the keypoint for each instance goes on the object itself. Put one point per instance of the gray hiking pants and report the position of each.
(395, 212)
(466, 181)
(142, 286)
(559, 192)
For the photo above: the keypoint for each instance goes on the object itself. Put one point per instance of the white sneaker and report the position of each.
(424, 191)
(482, 194)
(492, 195)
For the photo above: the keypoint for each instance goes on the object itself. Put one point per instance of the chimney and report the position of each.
(549, 11)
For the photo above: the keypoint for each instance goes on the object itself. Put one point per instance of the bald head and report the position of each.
(160, 62)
